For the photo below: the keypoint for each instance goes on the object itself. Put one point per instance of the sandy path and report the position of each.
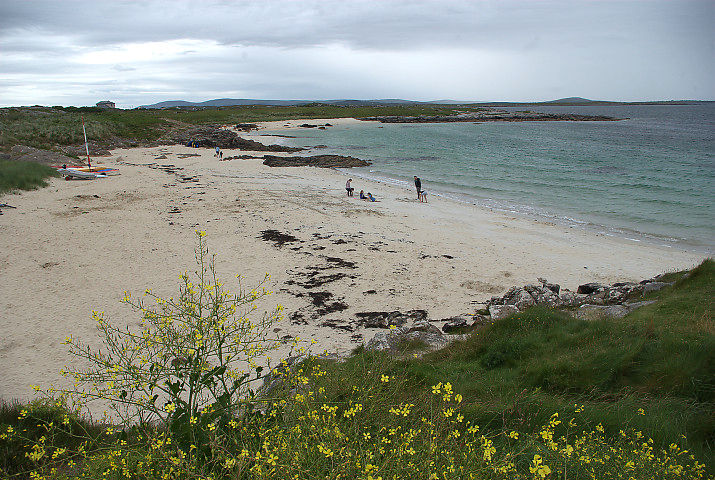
(78, 245)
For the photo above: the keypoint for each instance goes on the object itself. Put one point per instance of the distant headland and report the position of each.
(570, 101)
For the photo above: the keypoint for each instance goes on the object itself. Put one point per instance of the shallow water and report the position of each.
(648, 177)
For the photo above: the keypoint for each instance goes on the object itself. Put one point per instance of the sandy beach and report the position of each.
(76, 246)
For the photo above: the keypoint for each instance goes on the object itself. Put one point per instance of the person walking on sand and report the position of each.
(422, 196)
(349, 188)
(418, 186)
(217, 150)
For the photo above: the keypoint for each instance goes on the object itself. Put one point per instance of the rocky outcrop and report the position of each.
(388, 319)
(455, 324)
(246, 127)
(594, 299)
(492, 115)
(325, 161)
(211, 137)
(499, 312)
(420, 331)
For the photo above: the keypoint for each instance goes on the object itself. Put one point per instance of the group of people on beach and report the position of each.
(350, 190)
(421, 194)
(219, 153)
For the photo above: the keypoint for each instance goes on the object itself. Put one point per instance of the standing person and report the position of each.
(349, 188)
(220, 154)
(217, 149)
(418, 186)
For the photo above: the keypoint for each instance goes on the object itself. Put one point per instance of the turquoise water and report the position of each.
(649, 177)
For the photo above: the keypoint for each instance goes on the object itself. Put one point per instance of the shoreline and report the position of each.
(527, 212)
(76, 246)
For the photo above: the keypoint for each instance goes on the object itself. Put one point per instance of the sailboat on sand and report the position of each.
(89, 172)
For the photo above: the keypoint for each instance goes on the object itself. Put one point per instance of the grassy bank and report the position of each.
(49, 127)
(537, 395)
(19, 175)
(653, 370)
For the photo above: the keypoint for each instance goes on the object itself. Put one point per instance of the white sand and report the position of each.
(78, 245)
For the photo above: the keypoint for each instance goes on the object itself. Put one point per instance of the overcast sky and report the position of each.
(68, 52)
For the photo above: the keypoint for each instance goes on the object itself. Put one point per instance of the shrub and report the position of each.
(193, 360)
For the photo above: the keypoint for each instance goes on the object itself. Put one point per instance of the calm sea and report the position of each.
(648, 177)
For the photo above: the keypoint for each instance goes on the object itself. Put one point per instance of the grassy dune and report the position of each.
(517, 372)
(48, 127)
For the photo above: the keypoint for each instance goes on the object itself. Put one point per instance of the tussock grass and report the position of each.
(20, 175)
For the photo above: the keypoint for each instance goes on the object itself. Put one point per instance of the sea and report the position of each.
(648, 177)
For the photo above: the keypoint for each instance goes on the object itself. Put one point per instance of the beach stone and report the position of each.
(387, 319)
(455, 323)
(589, 288)
(372, 319)
(479, 319)
(519, 297)
(543, 295)
(572, 299)
(421, 331)
(381, 341)
(433, 340)
(422, 325)
(551, 286)
(499, 312)
(619, 292)
(598, 298)
(654, 286)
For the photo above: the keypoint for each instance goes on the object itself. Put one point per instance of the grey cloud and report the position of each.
(517, 50)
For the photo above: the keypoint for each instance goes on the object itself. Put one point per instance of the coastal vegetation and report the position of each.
(20, 175)
(53, 127)
(536, 395)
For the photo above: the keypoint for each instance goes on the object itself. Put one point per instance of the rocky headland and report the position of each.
(492, 116)
(324, 161)
(215, 136)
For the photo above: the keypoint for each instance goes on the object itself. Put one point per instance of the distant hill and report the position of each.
(577, 100)
(226, 102)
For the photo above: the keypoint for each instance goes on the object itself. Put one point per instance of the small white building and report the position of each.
(106, 104)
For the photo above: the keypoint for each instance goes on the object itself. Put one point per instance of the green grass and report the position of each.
(20, 175)
(29, 424)
(517, 372)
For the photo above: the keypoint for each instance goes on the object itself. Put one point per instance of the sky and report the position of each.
(79, 52)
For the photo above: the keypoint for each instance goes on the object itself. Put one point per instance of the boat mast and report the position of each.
(86, 148)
